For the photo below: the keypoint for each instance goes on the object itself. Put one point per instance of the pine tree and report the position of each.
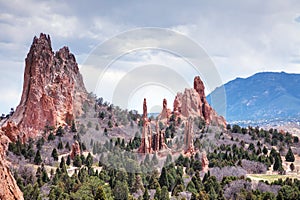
(54, 154)
(89, 160)
(157, 193)
(163, 179)
(77, 161)
(278, 163)
(62, 165)
(164, 193)
(73, 127)
(60, 145)
(38, 158)
(265, 150)
(292, 167)
(68, 162)
(290, 156)
(60, 131)
(100, 194)
(51, 136)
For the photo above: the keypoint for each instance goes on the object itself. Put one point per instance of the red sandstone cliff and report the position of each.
(53, 94)
(53, 90)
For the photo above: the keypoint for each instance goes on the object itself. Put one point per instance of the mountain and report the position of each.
(263, 97)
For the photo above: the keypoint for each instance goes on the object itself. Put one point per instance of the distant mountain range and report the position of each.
(262, 98)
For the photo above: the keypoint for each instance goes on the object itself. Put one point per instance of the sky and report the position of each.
(240, 38)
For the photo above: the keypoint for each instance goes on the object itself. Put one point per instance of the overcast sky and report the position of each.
(240, 37)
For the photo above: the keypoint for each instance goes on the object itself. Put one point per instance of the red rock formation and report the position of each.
(159, 140)
(165, 113)
(8, 187)
(204, 162)
(188, 137)
(150, 142)
(146, 140)
(193, 103)
(176, 106)
(53, 89)
(75, 150)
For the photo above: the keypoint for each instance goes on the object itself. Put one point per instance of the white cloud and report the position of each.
(241, 38)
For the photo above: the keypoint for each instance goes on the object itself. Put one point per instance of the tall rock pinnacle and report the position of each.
(53, 89)
(193, 103)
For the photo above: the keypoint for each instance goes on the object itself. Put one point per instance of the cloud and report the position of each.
(241, 38)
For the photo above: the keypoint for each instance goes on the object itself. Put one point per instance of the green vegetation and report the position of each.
(110, 168)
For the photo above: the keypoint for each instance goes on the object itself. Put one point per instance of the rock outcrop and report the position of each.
(192, 103)
(188, 137)
(159, 139)
(151, 141)
(75, 150)
(8, 187)
(146, 142)
(204, 162)
(165, 113)
(53, 90)
(176, 107)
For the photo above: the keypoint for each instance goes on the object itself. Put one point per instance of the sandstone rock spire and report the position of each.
(151, 141)
(165, 113)
(188, 137)
(53, 89)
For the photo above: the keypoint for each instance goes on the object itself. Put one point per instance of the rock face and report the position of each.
(192, 103)
(204, 162)
(53, 90)
(188, 137)
(165, 113)
(75, 150)
(151, 141)
(8, 187)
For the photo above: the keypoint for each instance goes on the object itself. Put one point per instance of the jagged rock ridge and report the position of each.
(53, 90)
(193, 103)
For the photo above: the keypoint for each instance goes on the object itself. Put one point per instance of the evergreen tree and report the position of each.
(163, 179)
(45, 177)
(77, 161)
(68, 162)
(292, 167)
(54, 154)
(289, 157)
(73, 127)
(38, 158)
(51, 136)
(138, 184)
(100, 195)
(89, 160)
(157, 195)
(60, 145)
(60, 131)
(164, 193)
(68, 146)
(62, 165)
(121, 190)
(265, 150)
(278, 163)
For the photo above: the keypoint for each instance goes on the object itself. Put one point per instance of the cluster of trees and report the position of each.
(271, 136)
